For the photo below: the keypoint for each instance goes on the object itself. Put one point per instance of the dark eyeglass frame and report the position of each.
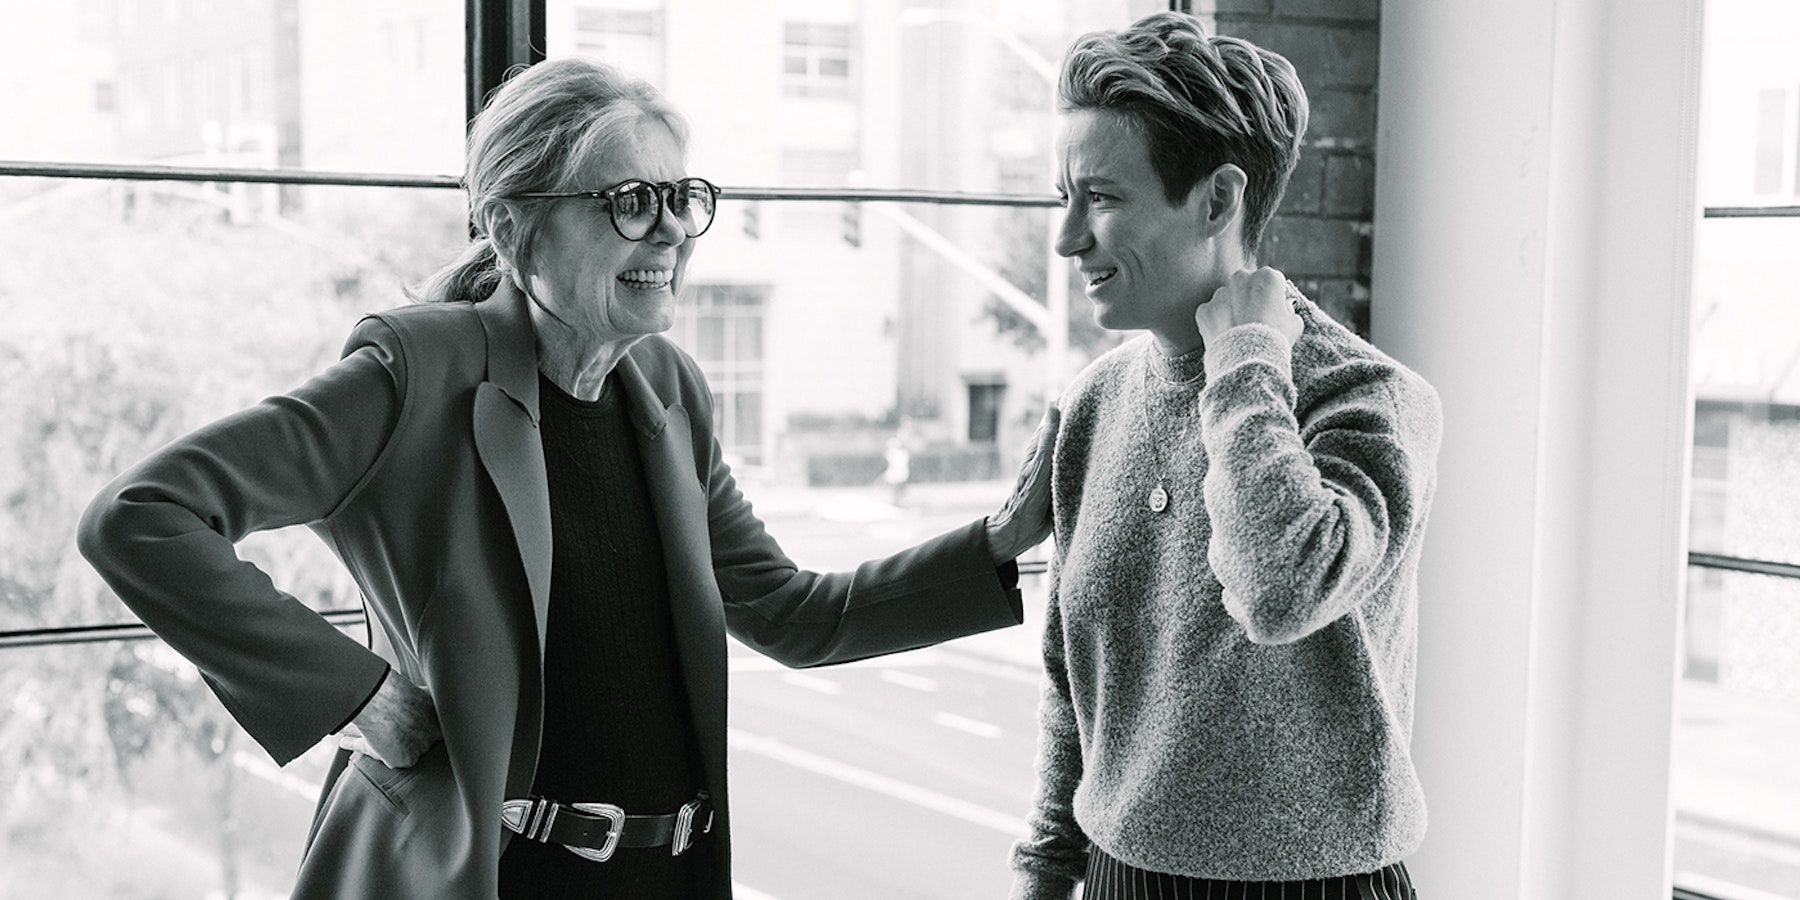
(662, 191)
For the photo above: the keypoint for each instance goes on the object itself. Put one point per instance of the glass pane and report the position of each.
(318, 84)
(126, 779)
(1737, 792)
(1736, 789)
(1745, 357)
(137, 311)
(871, 323)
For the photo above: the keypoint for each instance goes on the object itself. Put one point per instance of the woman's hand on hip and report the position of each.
(397, 725)
(1024, 521)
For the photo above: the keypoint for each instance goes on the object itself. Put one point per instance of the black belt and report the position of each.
(595, 830)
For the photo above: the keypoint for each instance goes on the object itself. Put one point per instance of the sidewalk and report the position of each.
(1736, 763)
(925, 509)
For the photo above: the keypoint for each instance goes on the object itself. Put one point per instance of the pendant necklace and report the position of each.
(1158, 498)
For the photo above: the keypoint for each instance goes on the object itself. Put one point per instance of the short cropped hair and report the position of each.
(1202, 101)
(538, 131)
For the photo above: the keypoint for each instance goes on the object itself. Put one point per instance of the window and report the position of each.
(185, 300)
(985, 401)
(1736, 832)
(188, 302)
(816, 60)
(824, 168)
(631, 39)
(723, 328)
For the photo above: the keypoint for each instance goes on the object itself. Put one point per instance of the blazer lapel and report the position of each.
(506, 438)
(678, 496)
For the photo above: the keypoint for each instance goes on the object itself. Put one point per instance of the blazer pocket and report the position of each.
(391, 786)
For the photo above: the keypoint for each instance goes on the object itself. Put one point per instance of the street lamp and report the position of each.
(1055, 325)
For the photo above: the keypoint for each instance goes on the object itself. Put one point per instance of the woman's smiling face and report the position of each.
(600, 286)
(1147, 263)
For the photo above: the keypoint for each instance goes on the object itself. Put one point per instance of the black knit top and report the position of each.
(616, 723)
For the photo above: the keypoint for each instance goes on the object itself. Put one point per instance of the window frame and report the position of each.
(504, 33)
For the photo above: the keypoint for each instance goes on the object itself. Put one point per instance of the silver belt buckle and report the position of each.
(530, 819)
(615, 818)
(684, 825)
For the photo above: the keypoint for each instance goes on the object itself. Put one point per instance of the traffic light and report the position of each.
(852, 223)
(753, 220)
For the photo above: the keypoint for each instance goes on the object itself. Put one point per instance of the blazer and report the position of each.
(441, 514)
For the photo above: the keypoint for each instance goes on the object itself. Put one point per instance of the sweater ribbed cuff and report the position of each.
(1029, 885)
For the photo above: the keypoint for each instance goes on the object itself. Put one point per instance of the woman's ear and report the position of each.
(502, 228)
(1222, 199)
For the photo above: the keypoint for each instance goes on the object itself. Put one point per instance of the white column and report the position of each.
(1533, 235)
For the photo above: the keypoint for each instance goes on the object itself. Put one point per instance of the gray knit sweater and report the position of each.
(1229, 685)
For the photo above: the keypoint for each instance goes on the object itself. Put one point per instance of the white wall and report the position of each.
(1534, 227)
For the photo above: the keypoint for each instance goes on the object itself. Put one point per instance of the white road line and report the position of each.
(909, 680)
(775, 749)
(972, 726)
(911, 659)
(812, 683)
(739, 892)
(969, 662)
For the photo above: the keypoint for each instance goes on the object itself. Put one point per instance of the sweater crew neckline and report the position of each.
(1180, 370)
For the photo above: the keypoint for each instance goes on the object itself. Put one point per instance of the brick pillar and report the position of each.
(1320, 235)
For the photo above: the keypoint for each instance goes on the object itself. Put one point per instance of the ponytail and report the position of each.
(472, 277)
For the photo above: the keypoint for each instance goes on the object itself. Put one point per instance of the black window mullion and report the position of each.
(500, 34)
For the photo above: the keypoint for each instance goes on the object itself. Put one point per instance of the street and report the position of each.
(902, 777)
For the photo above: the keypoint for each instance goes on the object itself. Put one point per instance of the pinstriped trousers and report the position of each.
(1109, 879)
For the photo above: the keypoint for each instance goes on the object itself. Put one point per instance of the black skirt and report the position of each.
(1110, 879)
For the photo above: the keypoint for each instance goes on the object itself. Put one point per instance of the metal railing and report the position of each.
(308, 177)
(136, 631)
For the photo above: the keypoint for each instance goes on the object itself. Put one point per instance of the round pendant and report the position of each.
(1159, 499)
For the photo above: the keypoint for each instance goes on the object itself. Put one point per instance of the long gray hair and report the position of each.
(539, 130)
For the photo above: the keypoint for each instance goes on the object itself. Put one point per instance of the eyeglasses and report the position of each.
(637, 206)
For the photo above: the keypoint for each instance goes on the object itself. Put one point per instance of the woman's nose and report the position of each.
(668, 231)
(1073, 237)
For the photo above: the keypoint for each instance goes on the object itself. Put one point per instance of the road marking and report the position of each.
(776, 749)
(908, 679)
(911, 659)
(1008, 671)
(972, 726)
(812, 683)
(740, 892)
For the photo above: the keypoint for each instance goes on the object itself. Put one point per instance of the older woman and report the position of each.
(1239, 504)
(524, 481)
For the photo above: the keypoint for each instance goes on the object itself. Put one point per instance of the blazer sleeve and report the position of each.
(944, 588)
(162, 536)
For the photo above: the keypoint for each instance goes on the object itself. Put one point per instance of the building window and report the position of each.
(171, 94)
(631, 39)
(816, 60)
(1771, 139)
(723, 329)
(104, 99)
(986, 399)
(816, 167)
